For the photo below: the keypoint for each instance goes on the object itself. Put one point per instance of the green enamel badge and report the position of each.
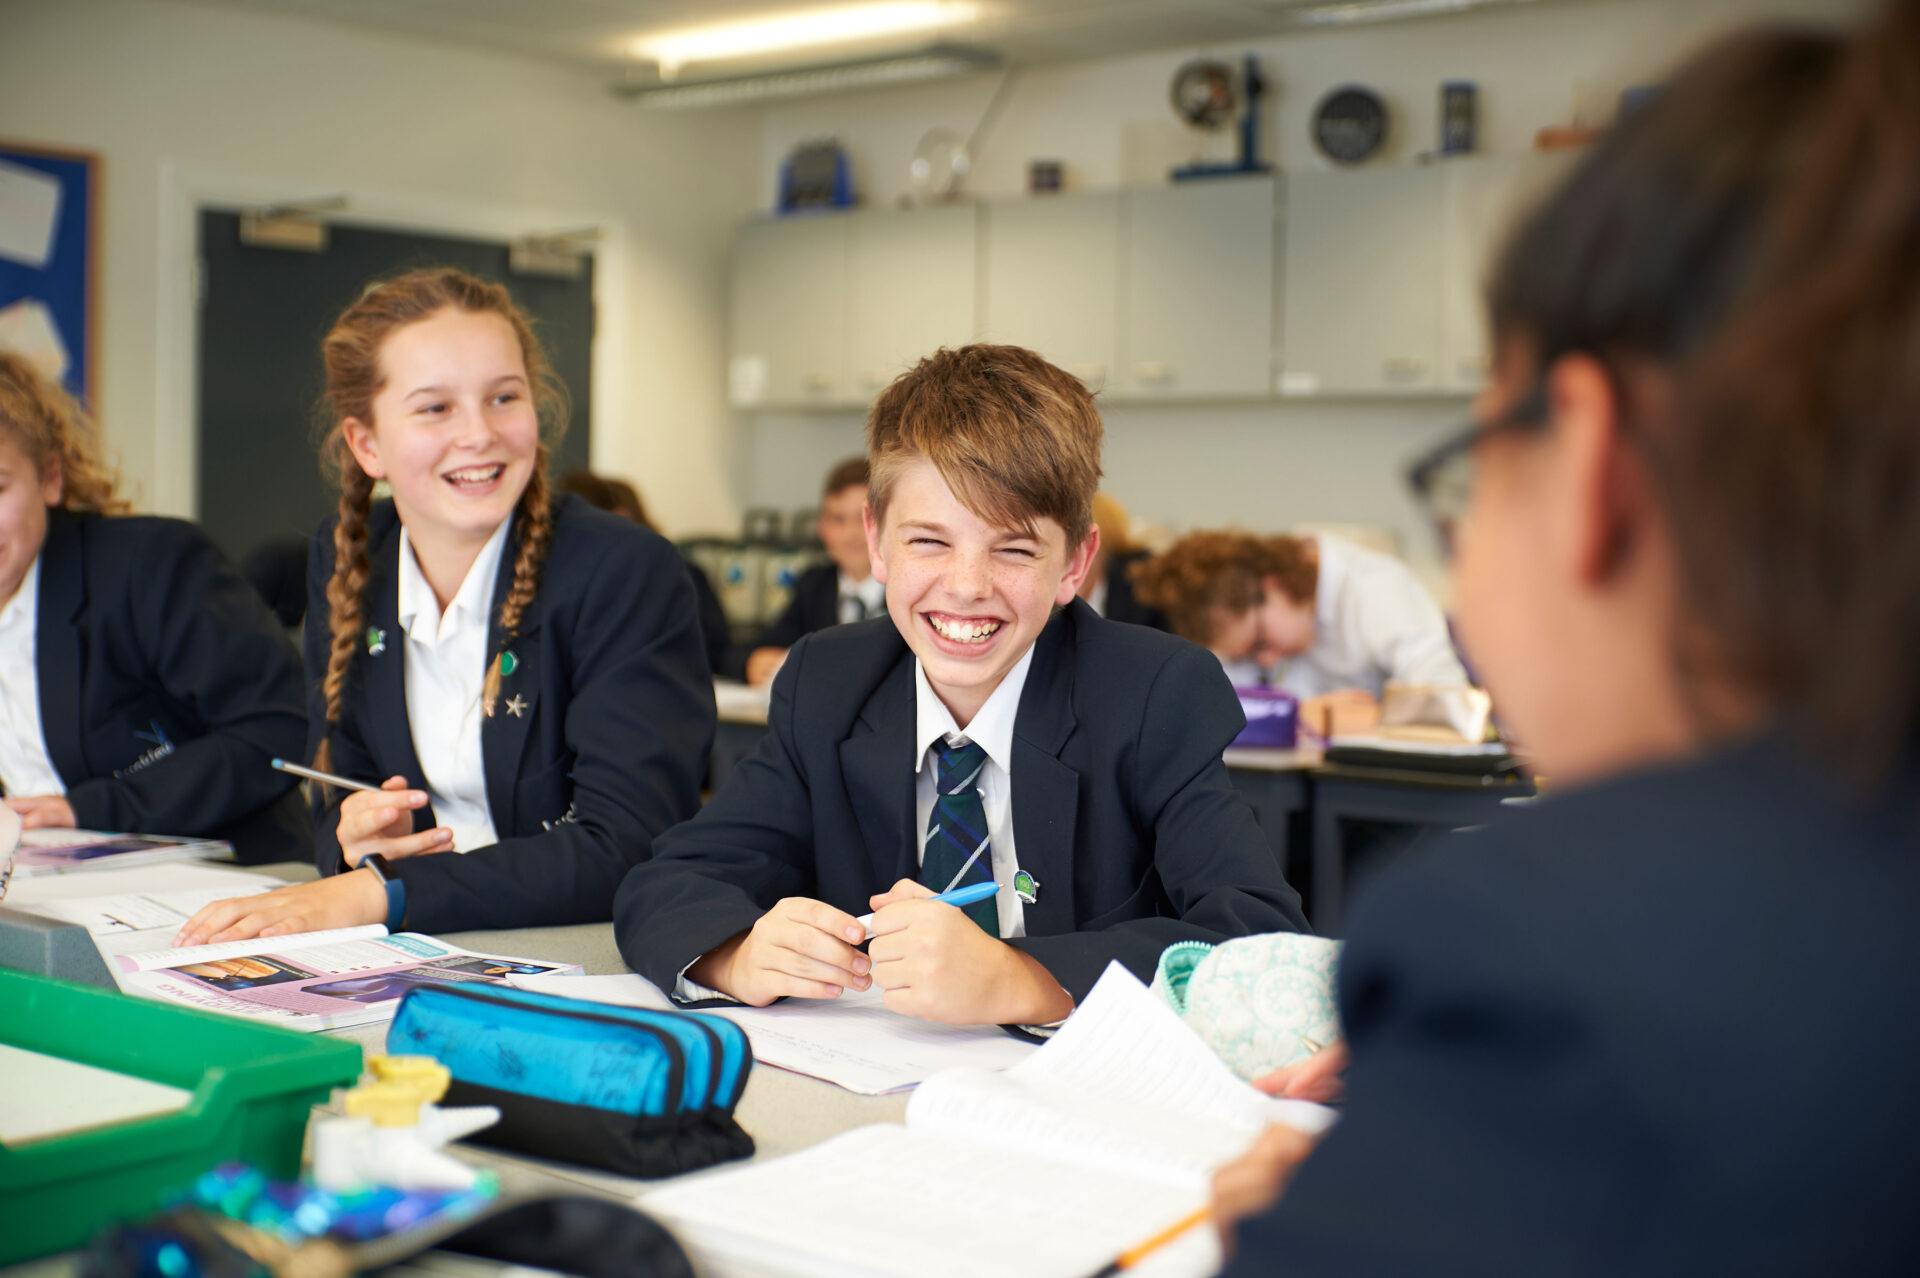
(1026, 887)
(376, 641)
(508, 663)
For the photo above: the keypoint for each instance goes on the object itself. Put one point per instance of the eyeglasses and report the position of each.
(1442, 481)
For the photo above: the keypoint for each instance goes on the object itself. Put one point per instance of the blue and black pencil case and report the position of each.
(634, 1090)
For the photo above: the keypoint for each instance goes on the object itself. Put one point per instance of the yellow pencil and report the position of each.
(1134, 1255)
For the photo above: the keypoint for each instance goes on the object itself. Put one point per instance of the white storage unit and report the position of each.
(790, 312)
(1051, 279)
(1197, 289)
(1361, 282)
(913, 282)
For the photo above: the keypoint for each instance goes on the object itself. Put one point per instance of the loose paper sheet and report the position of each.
(852, 1041)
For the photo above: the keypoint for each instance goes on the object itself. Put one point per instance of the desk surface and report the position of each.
(782, 1111)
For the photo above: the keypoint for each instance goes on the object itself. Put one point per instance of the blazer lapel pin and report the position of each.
(376, 641)
(1026, 887)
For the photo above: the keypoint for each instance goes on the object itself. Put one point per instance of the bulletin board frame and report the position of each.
(69, 283)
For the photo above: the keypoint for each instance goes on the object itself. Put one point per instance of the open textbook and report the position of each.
(852, 1041)
(61, 851)
(1102, 1137)
(314, 980)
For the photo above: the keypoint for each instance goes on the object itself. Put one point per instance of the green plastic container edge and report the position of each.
(253, 1086)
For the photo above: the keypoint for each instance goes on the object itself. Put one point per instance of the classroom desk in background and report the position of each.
(743, 721)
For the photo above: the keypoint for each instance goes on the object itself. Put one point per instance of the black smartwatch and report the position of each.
(396, 890)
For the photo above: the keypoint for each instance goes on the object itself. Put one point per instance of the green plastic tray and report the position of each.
(253, 1086)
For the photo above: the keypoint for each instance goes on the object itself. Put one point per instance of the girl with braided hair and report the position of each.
(523, 673)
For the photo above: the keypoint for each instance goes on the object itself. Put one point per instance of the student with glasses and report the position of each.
(1668, 1020)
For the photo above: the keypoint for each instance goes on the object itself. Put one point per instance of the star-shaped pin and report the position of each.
(516, 707)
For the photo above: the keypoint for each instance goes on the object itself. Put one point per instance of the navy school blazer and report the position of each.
(1122, 808)
(608, 749)
(1667, 1024)
(166, 686)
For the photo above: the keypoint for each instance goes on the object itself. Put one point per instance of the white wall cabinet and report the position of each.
(1361, 282)
(913, 282)
(789, 316)
(1050, 280)
(1164, 293)
(1384, 274)
(1197, 288)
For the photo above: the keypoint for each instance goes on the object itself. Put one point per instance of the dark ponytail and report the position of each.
(1795, 489)
(1753, 235)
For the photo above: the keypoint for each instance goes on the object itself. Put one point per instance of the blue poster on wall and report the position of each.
(47, 283)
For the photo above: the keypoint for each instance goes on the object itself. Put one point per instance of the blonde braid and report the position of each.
(536, 532)
(346, 594)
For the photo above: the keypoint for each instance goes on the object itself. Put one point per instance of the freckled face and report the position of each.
(454, 430)
(969, 598)
(26, 490)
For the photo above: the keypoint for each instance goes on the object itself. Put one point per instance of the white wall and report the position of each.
(1258, 465)
(179, 99)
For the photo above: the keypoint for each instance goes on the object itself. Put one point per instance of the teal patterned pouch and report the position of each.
(1259, 1001)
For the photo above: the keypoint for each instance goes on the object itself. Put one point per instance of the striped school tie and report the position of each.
(957, 830)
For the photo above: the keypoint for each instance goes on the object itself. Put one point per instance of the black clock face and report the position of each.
(1350, 124)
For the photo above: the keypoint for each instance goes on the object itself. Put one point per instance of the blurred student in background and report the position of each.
(832, 593)
(143, 685)
(617, 495)
(1668, 1021)
(1108, 589)
(1329, 621)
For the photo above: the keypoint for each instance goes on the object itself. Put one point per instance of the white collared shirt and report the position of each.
(1374, 624)
(872, 594)
(446, 667)
(991, 730)
(25, 766)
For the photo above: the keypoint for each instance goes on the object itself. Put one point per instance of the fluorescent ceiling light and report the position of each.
(1358, 11)
(930, 64)
(780, 33)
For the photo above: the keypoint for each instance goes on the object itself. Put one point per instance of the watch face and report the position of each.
(1350, 124)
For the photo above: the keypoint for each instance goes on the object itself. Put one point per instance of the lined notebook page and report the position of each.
(885, 1200)
(43, 1096)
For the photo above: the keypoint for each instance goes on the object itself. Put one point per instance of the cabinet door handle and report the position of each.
(1404, 368)
(1153, 370)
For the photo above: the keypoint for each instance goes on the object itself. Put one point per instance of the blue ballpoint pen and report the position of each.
(959, 896)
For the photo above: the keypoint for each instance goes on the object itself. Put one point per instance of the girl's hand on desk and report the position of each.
(1253, 1182)
(801, 948)
(382, 822)
(43, 811)
(1317, 1078)
(344, 900)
